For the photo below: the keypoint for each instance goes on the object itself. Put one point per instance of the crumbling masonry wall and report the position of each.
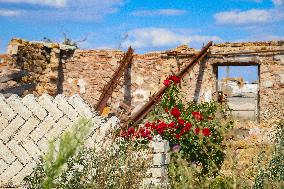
(269, 56)
(61, 69)
(87, 71)
(42, 63)
(95, 67)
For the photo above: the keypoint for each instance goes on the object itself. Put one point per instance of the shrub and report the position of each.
(272, 176)
(119, 165)
(195, 129)
(183, 175)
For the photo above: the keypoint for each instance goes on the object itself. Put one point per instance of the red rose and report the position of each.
(206, 132)
(130, 131)
(175, 112)
(181, 121)
(177, 136)
(175, 79)
(153, 126)
(148, 125)
(188, 125)
(167, 82)
(186, 128)
(197, 116)
(172, 125)
(162, 125)
(144, 135)
(196, 130)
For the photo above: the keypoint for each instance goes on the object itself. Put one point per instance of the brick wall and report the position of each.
(87, 71)
(42, 61)
(54, 68)
(269, 56)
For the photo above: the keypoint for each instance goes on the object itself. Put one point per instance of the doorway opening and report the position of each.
(240, 85)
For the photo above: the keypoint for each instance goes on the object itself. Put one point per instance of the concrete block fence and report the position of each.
(27, 124)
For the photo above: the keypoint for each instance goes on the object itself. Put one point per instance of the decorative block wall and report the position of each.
(27, 124)
(161, 159)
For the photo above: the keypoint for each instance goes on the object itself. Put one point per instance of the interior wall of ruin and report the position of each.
(269, 56)
(88, 71)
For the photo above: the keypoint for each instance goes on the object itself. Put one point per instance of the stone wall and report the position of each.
(90, 70)
(7, 67)
(269, 56)
(42, 62)
(27, 124)
(87, 71)
(60, 69)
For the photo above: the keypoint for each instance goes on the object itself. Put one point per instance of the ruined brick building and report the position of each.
(58, 69)
(38, 68)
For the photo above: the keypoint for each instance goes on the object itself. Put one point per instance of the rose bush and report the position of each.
(195, 127)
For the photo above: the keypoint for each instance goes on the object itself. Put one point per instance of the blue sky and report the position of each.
(147, 25)
(249, 73)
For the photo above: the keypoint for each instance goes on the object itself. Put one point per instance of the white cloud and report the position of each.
(162, 37)
(260, 37)
(275, 2)
(53, 3)
(159, 12)
(278, 2)
(9, 13)
(236, 17)
(76, 10)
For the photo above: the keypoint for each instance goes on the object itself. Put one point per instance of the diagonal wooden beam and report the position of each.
(112, 84)
(138, 116)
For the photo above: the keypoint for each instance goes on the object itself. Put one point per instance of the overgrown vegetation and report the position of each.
(197, 137)
(196, 129)
(272, 175)
(119, 165)
(185, 175)
(197, 134)
(52, 165)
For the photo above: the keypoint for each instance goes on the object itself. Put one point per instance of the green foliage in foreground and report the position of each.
(185, 175)
(272, 176)
(52, 164)
(119, 164)
(198, 128)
